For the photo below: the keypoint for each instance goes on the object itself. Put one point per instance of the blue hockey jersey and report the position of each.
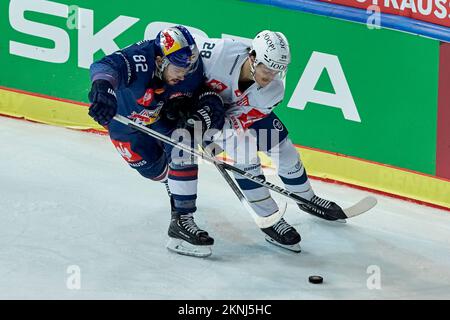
(140, 93)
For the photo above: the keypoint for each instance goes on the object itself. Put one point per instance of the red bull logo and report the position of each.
(142, 117)
(145, 117)
(168, 41)
(147, 99)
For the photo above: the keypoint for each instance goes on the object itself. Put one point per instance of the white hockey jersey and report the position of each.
(223, 59)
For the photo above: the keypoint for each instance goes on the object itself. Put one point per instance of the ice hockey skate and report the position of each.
(326, 210)
(282, 234)
(186, 238)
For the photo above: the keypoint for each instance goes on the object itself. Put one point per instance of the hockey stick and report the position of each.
(358, 208)
(262, 222)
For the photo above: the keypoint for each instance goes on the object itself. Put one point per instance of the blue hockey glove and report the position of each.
(103, 102)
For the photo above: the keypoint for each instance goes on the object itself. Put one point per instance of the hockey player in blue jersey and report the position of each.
(159, 83)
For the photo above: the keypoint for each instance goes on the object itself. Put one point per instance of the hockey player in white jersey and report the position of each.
(250, 82)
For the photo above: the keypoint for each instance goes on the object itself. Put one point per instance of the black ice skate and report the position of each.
(185, 237)
(284, 235)
(326, 209)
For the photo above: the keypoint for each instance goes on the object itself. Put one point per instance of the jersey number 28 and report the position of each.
(206, 52)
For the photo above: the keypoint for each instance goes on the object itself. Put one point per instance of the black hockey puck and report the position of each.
(315, 279)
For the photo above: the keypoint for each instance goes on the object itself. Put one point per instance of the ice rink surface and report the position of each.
(68, 199)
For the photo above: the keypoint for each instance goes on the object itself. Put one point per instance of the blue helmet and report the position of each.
(178, 46)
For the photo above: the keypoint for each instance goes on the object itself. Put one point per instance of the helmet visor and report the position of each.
(185, 59)
(271, 73)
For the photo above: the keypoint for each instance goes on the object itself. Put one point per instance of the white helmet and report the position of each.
(272, 50)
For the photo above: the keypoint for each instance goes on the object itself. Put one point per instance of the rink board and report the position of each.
(339, 168)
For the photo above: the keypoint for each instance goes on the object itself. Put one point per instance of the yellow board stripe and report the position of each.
(318, 163)
(46, 110)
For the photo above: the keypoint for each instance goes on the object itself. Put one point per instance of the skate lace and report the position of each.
(187, 221)
(321, 202)
(281, 227)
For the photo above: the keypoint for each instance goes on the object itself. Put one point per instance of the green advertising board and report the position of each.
(369, 94)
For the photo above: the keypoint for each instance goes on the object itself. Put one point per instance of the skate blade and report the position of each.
(292, 247)
(185, 248)
(337, 222)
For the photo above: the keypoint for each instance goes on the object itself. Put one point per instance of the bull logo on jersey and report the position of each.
(216, 85)
(147, 99)
(124, 148)
(146, 117)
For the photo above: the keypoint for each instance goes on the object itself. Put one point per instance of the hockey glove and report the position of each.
(175, 110)
(200, 117)
(103, 102)
(209, 113)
